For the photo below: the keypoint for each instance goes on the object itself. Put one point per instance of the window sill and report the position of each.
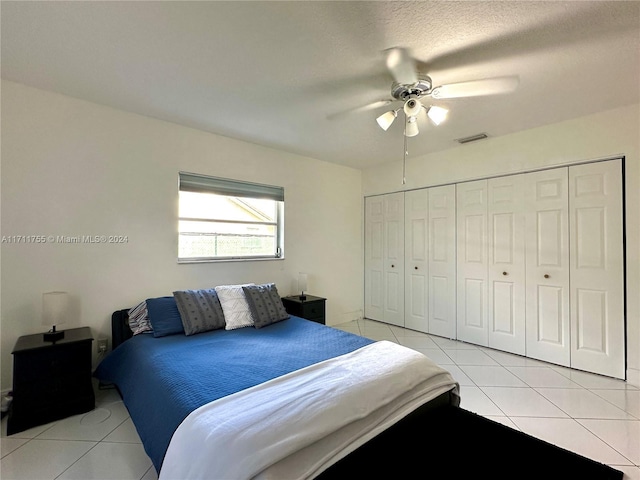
(221, 260)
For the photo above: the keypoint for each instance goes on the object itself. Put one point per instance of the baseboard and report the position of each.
(633, 377)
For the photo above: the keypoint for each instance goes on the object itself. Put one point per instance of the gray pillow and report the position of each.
(265, 304)
(200, 310)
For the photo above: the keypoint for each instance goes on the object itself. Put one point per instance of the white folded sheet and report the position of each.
(297, 425)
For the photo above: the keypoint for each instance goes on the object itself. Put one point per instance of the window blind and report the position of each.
(191, 182)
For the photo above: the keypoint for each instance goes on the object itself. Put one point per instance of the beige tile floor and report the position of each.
(595, 416)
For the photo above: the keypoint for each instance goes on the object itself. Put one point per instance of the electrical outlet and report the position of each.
(103, 344)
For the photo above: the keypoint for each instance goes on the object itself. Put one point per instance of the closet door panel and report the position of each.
(506, 283)
(442, 261)
(472, 275)
(550, 304)
(374, 258)
(416, 260)
(393, 264)
(597, 275)
(547, 266)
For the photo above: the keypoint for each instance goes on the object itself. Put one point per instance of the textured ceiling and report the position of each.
(272, 72)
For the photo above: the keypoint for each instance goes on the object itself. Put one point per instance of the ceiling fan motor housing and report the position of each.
(401, 91)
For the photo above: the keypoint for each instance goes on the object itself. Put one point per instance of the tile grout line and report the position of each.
(147, 471)
(610, 402)
(592, 418)
(77, 460)
(604, 441)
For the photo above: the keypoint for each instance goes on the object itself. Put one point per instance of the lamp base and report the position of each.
(303, 297)
(53, 336)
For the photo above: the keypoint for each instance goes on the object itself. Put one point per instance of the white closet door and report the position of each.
(471, 206)
(597, 276)
(416, 222)
(393, 264)
(506, 295)
(547, 264)
(442, 261)
(374, 258)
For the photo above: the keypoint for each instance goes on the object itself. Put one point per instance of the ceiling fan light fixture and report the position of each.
(386, 119)
(412, 107)
(437, 114)
(411, 127)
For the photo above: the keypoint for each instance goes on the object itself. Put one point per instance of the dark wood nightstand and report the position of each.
(50, 380)
(312, 308)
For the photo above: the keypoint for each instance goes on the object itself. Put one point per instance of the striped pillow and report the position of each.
(139, 319)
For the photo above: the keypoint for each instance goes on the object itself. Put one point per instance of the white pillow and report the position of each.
(237, 313)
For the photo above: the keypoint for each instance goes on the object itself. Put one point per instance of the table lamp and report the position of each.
(55, 310)
(302, 285)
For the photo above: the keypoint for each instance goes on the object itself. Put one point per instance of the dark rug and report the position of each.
(450, 442)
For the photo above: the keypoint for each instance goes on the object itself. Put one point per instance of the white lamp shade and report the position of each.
(437, 114)
(411, 128)
(412, 107)
(55, 308)
(386, 119)
(302, 282)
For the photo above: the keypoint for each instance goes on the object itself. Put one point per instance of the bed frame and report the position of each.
(377, 448)
(120, 331)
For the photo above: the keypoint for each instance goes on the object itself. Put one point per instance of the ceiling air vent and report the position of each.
(472, 138)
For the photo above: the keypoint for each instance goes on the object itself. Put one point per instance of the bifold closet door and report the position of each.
(374, 258)
(416, 223)
(442, 261)
(472, 273)
(393, 265)
(506, 281)
(430, 260)
(547, 266)
(597, 272)
(384, 258)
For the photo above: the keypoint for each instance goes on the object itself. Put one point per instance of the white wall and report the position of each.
(71, 167)
(604, 135)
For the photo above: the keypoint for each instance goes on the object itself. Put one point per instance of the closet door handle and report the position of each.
(546, 275)
(393, 266)
(415, 268)
(505, 273)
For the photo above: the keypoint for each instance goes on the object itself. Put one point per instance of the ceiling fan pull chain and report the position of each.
(404, 158)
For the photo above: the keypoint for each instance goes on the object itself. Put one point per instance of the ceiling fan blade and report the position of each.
(363, 108)
(401, 66)
(474, 88)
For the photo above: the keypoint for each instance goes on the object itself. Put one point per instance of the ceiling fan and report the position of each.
(410, 87)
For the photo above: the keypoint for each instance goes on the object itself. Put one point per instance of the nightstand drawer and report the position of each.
(313, 310)
(310, 308)
(50, 362)
(56, 387)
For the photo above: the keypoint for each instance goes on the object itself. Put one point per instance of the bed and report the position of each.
(294, 399)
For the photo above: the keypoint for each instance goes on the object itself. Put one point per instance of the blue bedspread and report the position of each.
(164, 379)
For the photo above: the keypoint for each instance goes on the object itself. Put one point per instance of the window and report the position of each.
(222, 219)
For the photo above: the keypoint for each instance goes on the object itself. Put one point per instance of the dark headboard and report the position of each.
(120, 330)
